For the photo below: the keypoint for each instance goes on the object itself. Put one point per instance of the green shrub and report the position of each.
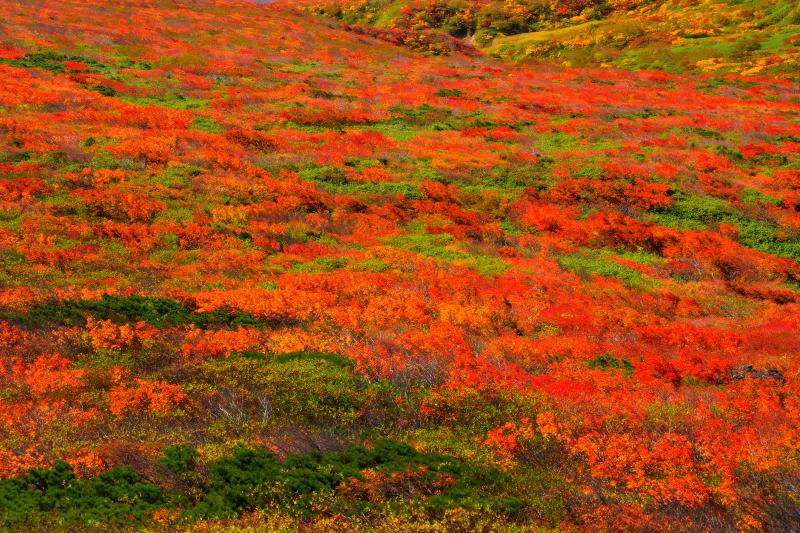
(705, 212)
(609, 362)
(55, 496)
(300, 390)
(180, 459)
(50, 61)
(158, 312)
(247, 480)
(105, 90)
(253, 479)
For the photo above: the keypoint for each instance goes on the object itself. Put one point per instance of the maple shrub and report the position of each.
(359, 265)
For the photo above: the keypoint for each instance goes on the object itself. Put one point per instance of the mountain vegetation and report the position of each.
(748, 37)
(266, 270)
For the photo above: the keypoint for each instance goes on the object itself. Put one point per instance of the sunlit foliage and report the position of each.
(258, 271)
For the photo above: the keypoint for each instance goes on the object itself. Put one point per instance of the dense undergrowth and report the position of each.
(750, 37)
(261, 273)
(182, 490)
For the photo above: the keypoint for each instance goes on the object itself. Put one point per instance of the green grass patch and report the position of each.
(442, 248)
(599, 263)
(321, 264)
(206, 124)
(173, 101)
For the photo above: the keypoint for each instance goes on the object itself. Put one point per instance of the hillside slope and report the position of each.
(260, 273)
(717, 36)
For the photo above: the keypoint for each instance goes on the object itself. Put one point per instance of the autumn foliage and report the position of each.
(241, 245)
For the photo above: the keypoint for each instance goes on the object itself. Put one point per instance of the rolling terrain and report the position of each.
(748, 37)
(264, 271)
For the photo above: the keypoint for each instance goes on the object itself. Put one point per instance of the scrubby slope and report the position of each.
(239, 230)
(720, 36)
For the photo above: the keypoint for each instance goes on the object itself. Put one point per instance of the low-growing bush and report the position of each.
(158, 312)
(250, 480)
